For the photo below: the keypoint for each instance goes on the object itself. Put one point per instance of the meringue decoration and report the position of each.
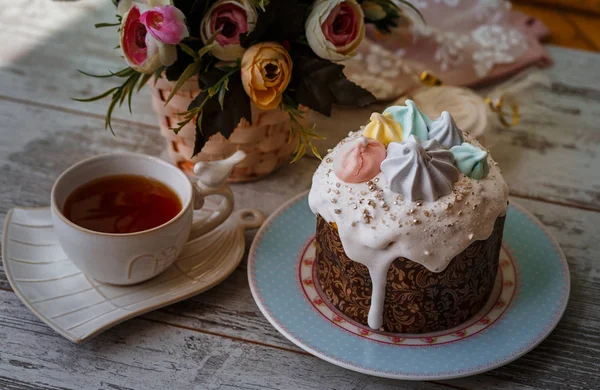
(419, 170)
(383, 128)
(471, 160)
(468, 109)
(413, 121)
(445, 131)
(359, 160)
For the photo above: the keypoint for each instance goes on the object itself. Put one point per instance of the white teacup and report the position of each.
(124, 259)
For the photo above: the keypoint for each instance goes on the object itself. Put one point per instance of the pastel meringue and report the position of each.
(471, 160)
(445, 131)
(419, 170)
(383, 128)
(412, 120)
(469, 110)
(359, 160)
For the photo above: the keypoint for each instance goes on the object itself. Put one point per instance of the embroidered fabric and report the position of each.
(463, 42)
(461, 33)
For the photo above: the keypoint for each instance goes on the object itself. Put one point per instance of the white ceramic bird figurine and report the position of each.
(215, 173)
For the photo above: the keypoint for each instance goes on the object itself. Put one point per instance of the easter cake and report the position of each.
(410, 214)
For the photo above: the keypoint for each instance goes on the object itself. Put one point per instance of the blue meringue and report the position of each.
(471, 160)
(413, 121)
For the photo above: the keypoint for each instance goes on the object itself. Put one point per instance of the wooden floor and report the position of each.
(570, 28)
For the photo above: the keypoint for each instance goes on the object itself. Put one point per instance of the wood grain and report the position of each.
(65, 38)
(589, 6)
(587, 24)
(563, 30)
(141, 354)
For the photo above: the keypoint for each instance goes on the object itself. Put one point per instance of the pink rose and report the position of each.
(150, 31)
(335, 28)
(228, 19)
(166, 24)
(341, 28)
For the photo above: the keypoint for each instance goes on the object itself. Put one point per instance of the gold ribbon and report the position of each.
(430, 80)
(497, 107)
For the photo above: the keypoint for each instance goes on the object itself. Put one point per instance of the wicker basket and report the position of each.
(265, 141)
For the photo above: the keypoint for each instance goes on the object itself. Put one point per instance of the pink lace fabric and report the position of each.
(463, 43)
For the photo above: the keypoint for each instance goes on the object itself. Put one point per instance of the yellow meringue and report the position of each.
(383, 128)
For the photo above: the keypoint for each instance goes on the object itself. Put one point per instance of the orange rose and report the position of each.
(266, 73)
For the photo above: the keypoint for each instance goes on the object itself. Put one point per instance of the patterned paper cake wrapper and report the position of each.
(417, 300)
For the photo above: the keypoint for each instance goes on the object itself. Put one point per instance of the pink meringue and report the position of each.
(358, 161)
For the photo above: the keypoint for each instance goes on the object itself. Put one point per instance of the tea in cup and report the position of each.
(124, 218)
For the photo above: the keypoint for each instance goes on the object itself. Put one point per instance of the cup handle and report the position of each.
(218, 216)
(211, 181)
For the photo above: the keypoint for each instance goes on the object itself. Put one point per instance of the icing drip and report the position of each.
(376, 225)
(445, 131)
(419, 171)
(471, 160)
(359, 160)
(383, 128)
(413, 121)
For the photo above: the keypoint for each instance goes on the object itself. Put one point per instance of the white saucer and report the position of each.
(79, 307)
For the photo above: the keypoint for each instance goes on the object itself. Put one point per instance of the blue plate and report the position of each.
(529, 298)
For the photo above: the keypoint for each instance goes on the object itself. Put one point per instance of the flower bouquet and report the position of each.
(245, 55)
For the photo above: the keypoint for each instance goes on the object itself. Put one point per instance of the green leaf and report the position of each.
(158, 74)
(262, 4)
(297, 129)
(282, 20)
(121, 73)
(300, 152)
(319, 84)
(108, 119)
(410, 5)
(194, 68)
(188, 50)
(101, 25)
(98, 97)
(144, 81)
(189, 72)
(120, 93)
(315, 151)
(206, 49)
(212, 91)
(174, 71)
(222, 92)
(216, 120)
(394, 15)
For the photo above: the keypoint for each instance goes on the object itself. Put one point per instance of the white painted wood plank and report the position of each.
(141, 354)
(39, 61)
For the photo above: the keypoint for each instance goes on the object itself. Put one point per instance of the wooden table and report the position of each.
(219, 339)
(571, 23)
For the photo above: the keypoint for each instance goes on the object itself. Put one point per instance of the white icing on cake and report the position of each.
(376, 225)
